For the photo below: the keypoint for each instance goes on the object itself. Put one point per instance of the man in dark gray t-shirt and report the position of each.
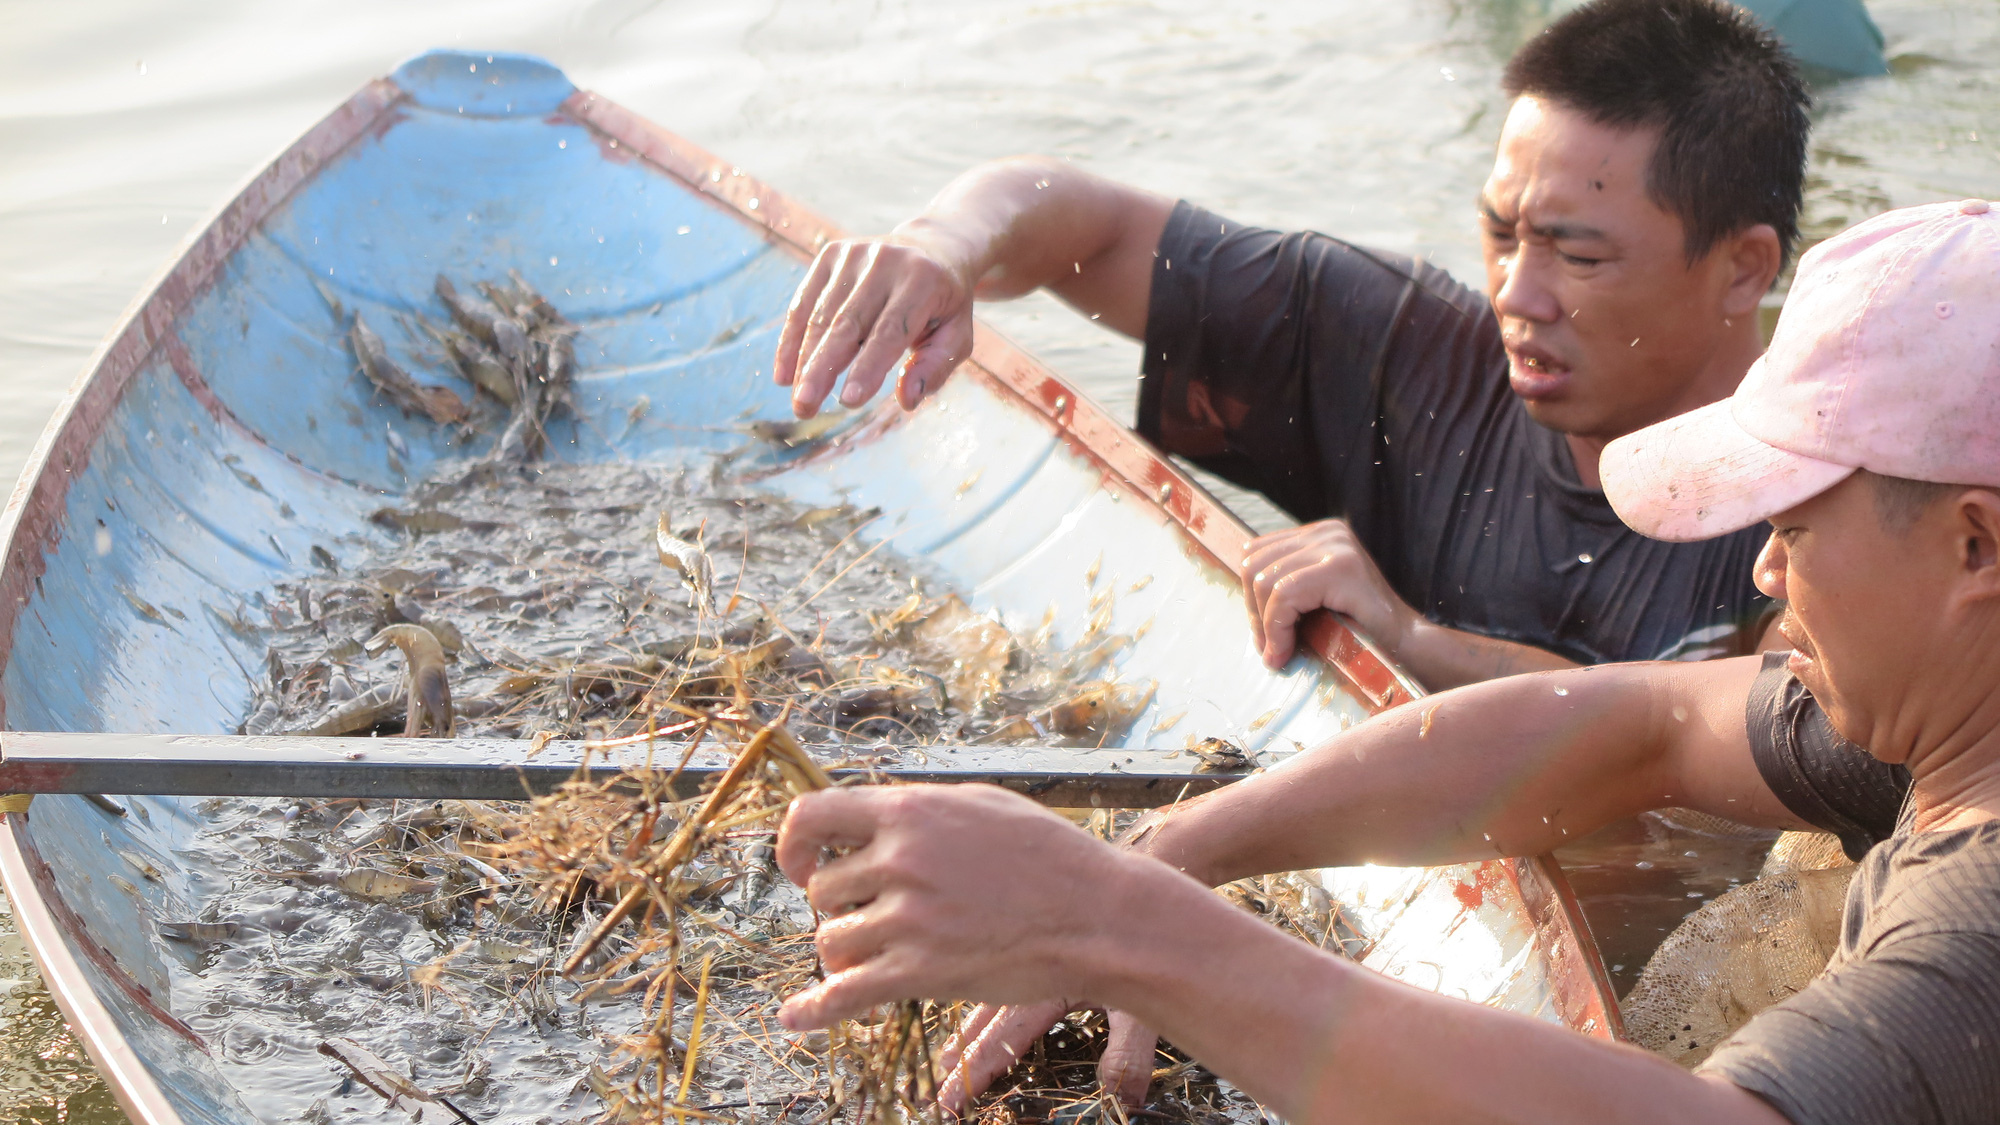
(1869, 438)
(1904, 1024)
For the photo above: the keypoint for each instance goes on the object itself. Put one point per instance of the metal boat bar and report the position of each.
(505, 769)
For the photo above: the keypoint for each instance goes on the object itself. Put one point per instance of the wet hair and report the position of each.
(1900, 501)
(1722, 90)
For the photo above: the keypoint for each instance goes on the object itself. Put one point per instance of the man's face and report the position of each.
(1607, 327)
(1866, 613)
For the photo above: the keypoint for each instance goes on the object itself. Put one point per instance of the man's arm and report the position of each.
(1000, 230)
(973, 893)
(1508, 767)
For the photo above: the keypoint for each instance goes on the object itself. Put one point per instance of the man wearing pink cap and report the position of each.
(1869, 437)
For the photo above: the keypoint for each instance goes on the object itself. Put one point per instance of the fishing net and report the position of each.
(1748, 949)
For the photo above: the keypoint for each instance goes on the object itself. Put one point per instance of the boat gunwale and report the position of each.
(30, 527)
(31, 522)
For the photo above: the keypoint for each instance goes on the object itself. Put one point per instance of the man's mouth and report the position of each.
(1802, 662)
(1534, 373)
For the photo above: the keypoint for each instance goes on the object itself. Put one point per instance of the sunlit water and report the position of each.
(124, 124)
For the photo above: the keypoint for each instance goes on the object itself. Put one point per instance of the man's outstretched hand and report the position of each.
(1322, 565)
(864, 303)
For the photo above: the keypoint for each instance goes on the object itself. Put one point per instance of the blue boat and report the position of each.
(221, 432)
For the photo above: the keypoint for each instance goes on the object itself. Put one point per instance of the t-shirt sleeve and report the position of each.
(1910, 1034)
(1829, 782)
(1265, 350)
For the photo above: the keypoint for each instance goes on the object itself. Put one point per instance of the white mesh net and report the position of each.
(1748, 949)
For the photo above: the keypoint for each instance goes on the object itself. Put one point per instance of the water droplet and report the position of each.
(1644, 865)
(472, 68)
(678, 230)
(552, 259)
(753, 203)
(1448, 75)
(1586, 557)
(614, 144)
(562, 144)
(1562, 691)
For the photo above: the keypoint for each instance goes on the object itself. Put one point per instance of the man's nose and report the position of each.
(1524, 290)
(1771, 564)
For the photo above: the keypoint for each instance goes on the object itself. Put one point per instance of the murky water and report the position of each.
(124, 124)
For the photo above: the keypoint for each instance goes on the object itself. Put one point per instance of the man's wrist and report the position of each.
(1170, 836)
(960, 255)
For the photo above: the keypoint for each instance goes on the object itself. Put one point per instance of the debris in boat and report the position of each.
(1219, 755)
(369, 883)
(791, 433)
(690, 562)
(144, 608)
(372, 1072)
(426, 521)
(589, 635)
(438, 404)
(429, 699)
(198, 933)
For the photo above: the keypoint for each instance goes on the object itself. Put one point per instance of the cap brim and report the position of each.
(1701, 475)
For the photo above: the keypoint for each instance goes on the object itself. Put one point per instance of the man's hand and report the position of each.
(1001, 230)
(866, 302)
(993, 1037)
(961, 892)
(1288, 574)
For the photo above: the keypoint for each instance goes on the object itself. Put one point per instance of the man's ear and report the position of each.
(1754, 258)
(1975, 516)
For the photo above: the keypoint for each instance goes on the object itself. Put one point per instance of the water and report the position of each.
(125, 124)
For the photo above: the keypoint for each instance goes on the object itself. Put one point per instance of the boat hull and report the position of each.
(221, 435)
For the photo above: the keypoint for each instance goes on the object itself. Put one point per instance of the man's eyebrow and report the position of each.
(1566, 232)
(1554, 232)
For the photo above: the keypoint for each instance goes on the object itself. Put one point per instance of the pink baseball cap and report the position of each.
(1887, 358)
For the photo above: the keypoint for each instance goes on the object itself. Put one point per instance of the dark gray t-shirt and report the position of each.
(1904, 1024)
(1346, 382)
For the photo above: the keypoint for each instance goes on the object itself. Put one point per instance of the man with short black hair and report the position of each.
(1645, 194)
(1868, 441)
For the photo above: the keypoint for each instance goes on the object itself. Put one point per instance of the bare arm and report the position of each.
(1000, 230)
(1507, 767)
(973, 893)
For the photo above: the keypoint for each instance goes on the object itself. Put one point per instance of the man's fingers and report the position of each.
(785, 367)
(1126, 1067)
(900, 324)
(826, 300)
(843, 884)
(1282, 607)
(975, 1021)
(1002, 1041)
(831, 818)
(934, 359)
(849, 940)
(849, 993)
(834, 330)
